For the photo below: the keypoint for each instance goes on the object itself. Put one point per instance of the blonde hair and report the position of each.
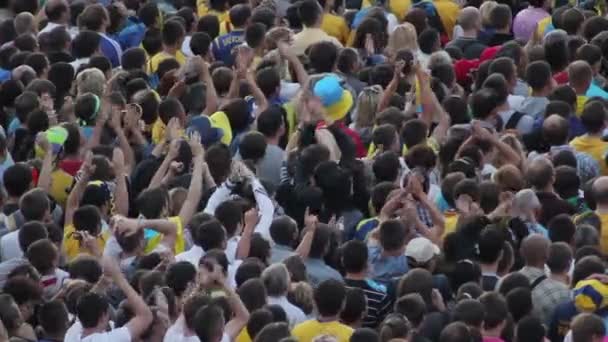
(367, 106)
(403, 37)
(485, 10)
(301, 295)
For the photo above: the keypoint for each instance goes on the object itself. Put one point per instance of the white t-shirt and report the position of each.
(74, 334)
(9, 246)
(116, 335)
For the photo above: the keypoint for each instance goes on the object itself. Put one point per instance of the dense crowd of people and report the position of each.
(303, 170)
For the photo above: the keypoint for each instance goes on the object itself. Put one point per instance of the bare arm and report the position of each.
(244, 245)
(157, 179)
(121, 195)
(297, 66)
(82, 179)
(45, 178)
(311, 222)
(196, 183)
(142, 315)
(241, 314)
(123, 143)
(391, 88)
(211, 98)
(256, 92)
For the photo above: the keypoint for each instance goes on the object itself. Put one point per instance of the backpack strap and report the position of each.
(514, 120)
(537, 281)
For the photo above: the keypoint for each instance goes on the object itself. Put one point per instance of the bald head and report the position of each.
(535, 250)
(580, 75)
(540, 173)
(469, 18)
(555, 130)
(600, 191)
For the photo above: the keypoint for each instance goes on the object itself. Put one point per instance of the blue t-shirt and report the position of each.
(223, 46)
(386, 269)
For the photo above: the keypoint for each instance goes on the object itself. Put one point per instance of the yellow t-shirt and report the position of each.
(580, 104)
(335, 26)
(603, 233)
(243, 336)
(158, 131)
(72, 247)
(61, 185)
(307, 331)
(180, 242)
(450, 221)
(220, 120)
(593, 146)
(202, 9)
(161, 56)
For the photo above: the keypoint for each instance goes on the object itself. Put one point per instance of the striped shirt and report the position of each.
(379, 303)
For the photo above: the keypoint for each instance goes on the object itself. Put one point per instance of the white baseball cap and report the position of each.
(421, 249)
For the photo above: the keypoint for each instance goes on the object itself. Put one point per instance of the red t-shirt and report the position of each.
(561, 77)
(70, 166)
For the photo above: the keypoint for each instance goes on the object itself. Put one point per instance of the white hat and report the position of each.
(421, 249)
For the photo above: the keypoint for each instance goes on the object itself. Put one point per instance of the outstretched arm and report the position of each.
(196, 183)
(82, 179)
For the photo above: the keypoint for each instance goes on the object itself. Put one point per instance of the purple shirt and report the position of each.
(525, 22)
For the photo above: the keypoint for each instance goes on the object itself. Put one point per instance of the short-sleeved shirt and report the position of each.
(72, 246)
(307, 331)
(378, 300)
(161, 56)
(223, 46)
(155, 238)
(116, 335)
(386, 269)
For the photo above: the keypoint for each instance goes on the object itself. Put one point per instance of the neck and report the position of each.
(596, 134)
(489, 268)
(272, 140)
(470, 34)
(495, 332)
(539, 93)
(505, 30)
(328, 318)
(540, 265)
(581, 90)
(315, 26)
(170, 49)
(356, 276)
(561, 277)
(90, 331)
(548, 188)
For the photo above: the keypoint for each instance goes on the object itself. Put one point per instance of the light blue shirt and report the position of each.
(385, 269)
(318, 271)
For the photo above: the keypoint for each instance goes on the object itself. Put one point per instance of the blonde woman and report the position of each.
(403, 37)
(365, 111)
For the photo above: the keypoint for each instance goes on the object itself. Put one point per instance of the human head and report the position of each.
(469, 19)
(309, 13)
(455, 332)
(469, 311)
(393, 236)
(540, 173)
(530, 328)
(580, 75)
(535, 250)
(323, 56)
(561, 229)
(94, 18)
(53, 318)
(26, 292)
(276, 280)
(560, 258)
(17, 179)
(35, 205)
(44, 256)
(329, 297)
(594, 117)
(587, 327)
(600, 191)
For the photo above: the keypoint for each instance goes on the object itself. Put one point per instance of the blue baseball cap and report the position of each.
(202, 125)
